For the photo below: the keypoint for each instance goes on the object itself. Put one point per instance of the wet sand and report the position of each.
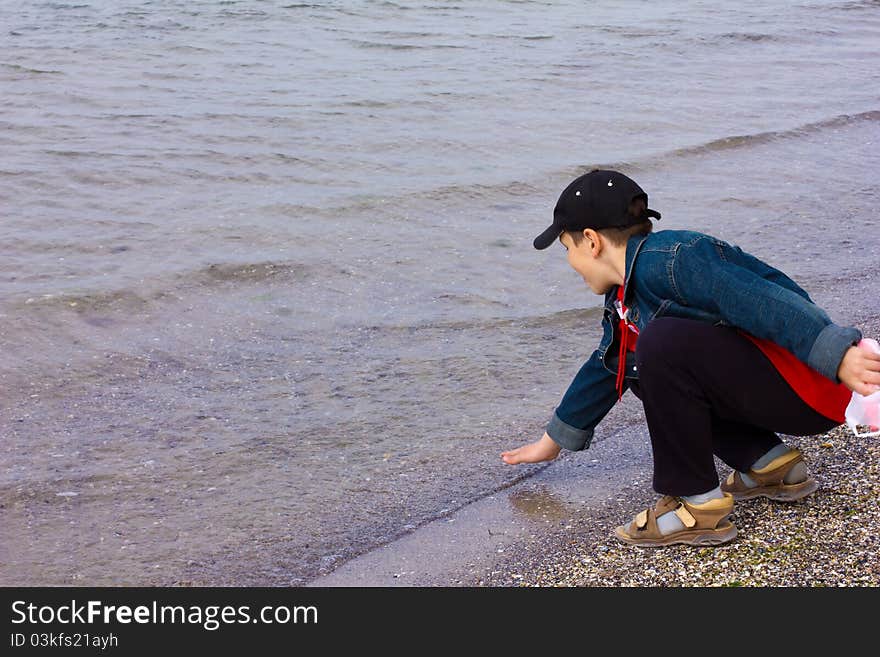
(479, 542)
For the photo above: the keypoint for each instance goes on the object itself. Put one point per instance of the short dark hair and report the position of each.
(620, 236)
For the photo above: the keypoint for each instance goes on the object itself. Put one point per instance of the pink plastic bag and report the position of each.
(865, 411)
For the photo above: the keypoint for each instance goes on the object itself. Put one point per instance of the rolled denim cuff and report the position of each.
(830, 346)
(567, 436)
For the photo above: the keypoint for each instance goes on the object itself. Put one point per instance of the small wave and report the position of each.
(562, 320)
(63, 247)
(394, 5)
(368, 103)
(184, 47)
(723, 144)
(740, 141)
(284, 157)
(862, 4)
(244, 13)
(24, 69)
(513, 37)
(514, 188)
(471, 300)
(633, 32)
(401, 46)
(246, 273)
(57, 153)
(293, 210)
(405, 34)
(513, 193)
(745, 36)
(130, 300)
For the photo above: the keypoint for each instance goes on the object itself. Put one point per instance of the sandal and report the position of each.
(770, 481)
(705, 524)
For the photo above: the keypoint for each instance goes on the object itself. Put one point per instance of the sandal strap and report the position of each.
(687, 519)
(775, 471)
(707, 515)
(666, 504)
(644, 525)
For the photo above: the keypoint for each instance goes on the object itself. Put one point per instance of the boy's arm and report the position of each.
(766, 271)
(715, 276)
(588, 399)
(591, 394)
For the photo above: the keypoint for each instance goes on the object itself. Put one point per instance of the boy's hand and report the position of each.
(860, 371)
(544, 449)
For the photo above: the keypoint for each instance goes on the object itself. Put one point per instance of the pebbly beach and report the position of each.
(828, 539)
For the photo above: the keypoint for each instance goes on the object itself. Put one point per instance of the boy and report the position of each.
(722, 349)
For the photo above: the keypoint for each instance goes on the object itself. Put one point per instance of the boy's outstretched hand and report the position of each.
(544, 449)
(860, 370)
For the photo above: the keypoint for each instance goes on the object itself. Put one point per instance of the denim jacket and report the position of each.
(683, 273)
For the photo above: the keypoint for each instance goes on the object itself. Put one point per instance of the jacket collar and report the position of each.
(633, 245)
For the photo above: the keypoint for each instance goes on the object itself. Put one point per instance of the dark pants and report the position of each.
(708, 390)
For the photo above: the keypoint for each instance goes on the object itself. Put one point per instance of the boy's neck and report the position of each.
(618, 263)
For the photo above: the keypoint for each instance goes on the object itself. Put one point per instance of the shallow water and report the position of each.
(267, 289)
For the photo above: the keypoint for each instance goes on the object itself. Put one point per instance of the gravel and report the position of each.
(830, 538)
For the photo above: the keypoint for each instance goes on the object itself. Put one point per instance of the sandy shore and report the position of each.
(831, 538)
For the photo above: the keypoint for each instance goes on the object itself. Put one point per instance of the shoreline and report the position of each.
(478, 540)
(830, 538)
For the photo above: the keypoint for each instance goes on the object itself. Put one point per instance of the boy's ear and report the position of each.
(592, 237)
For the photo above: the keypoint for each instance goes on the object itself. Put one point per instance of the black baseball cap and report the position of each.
(598, 199)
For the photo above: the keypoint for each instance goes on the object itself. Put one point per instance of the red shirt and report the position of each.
(820, 393)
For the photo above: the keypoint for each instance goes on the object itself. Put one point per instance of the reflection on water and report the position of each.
(538, 504)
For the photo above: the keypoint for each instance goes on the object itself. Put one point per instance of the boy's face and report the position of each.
(584, 259)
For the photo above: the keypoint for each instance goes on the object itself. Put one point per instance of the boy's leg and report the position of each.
(763, 466)
(691, 372)
(700, 385)
(739, 444)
